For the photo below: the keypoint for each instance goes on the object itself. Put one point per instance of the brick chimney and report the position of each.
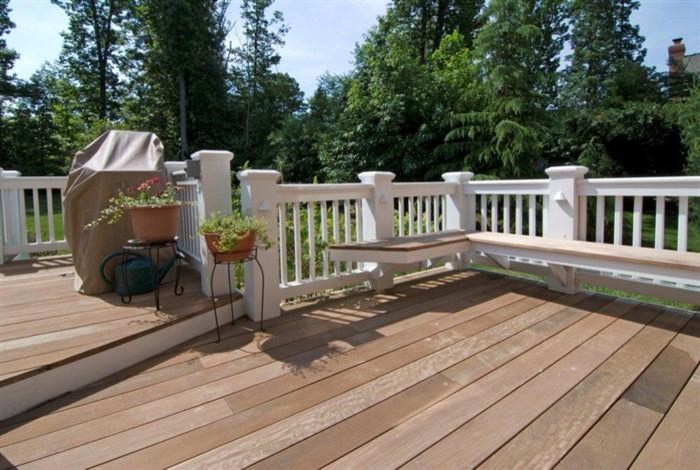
(676, 53)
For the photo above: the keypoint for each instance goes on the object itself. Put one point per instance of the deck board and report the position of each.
(448, 370)
(44, 321)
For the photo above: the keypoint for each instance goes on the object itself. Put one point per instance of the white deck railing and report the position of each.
(332, 210)
(188, 238)
(305, 218)
(24, 198)
(502, 205)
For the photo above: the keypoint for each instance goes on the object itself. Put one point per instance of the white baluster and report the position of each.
(484, 213)
(336, 234)
(49, 210)
(282, 210)
(401, 229)
(532, 215)
(443, 213)
(428, 214)
(660, 228)
(324, 237)
(297, 242)
(436, 213)
(683, 223)
(637, 222)
(311, 222)
(600, 219)
(411, 214)
(37, 215)
(518, 214)
(617, 228)
(22, 217)
(348, 223)
(494, 213)
(545, 215)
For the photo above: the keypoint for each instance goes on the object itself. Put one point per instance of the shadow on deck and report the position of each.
(445, 370)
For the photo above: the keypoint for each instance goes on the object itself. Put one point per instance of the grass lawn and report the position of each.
(44, 217)
(670, 232)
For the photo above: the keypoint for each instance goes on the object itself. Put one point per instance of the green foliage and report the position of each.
(150, 193)
(438, 85)
(604, 43)
(623, 141)
(232, 228)
(182, 73)
(94, 50)
(687, 114)
(264, 99)
(507, 134)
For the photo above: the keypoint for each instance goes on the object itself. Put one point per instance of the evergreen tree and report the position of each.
(605, 45)
(185, 99)
(7, 80)
(425, 22)
(7, 55)
(263, 34)
(509, 134)
(93, 53)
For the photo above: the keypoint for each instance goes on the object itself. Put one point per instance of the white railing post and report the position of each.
(10, 230)
(378, 222)
(214, 196)
(563, 218)
(460, 210)
(259, 199)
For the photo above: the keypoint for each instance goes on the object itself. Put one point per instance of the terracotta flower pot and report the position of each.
(242, 250)
(155, 224)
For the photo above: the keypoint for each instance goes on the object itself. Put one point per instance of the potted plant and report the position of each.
(233, 237)
(154, 210)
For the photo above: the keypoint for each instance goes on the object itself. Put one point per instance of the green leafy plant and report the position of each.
(234, 227)
(146, 194)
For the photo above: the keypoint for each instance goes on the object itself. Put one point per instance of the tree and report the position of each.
(7, 55)
(252, 75)
(425, 22)
(7, 81)
(297, 144)
(94, 51)
(43, 130)
(604, 45)
(185, 99)
(509, 133)
(403, 91)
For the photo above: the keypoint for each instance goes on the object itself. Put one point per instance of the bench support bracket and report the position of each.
(562, 279)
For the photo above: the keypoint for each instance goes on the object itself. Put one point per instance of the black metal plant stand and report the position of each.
(253, 256)
(137, 245)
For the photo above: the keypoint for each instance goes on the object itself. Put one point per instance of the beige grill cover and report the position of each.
(113, 161)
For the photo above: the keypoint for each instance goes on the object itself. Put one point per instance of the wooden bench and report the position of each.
(403, 250)
(639, 261)
(561, 255)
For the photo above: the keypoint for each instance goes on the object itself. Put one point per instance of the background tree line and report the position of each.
(437, 85)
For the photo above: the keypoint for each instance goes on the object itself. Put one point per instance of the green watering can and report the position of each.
(139, 271)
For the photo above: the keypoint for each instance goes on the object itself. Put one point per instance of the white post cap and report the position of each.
(458, 176)
(258, 175)
(372, 176)
(208, 155)
(567, 171)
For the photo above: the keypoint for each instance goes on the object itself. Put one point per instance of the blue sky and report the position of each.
(324, 32)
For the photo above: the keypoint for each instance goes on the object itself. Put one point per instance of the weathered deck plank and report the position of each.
(454, 369)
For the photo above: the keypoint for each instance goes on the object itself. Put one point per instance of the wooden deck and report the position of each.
(44, 321)
(454, 370)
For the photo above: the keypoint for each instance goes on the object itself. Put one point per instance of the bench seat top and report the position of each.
(627, 254)
(408, 243)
